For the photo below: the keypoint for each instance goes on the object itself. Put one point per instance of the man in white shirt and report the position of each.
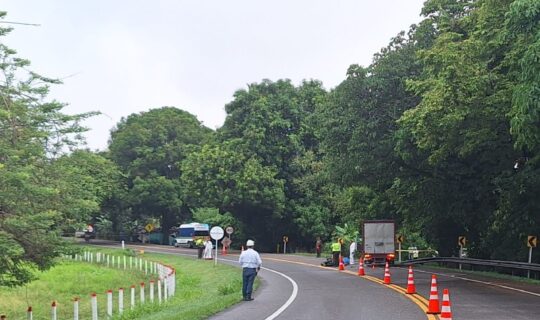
(251, 263)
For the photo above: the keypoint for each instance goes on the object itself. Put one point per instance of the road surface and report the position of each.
(297, 287)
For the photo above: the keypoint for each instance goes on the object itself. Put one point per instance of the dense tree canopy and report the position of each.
(441, 132)
(149, 147)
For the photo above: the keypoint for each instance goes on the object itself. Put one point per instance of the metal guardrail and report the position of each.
(477, 262)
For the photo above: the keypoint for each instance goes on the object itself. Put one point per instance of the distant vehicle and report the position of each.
(379, 241)
(188, 233)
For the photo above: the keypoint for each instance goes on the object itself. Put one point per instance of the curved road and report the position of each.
(297, 287)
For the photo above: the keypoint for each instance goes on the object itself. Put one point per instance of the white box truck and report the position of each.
(379, 241)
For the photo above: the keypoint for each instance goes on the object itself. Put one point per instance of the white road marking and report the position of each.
(291, 298)
(270, 317)
(482, 282)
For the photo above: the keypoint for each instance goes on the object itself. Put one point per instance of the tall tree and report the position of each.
(32, 130)
(220, 176)
(149, 148)
(272, 122)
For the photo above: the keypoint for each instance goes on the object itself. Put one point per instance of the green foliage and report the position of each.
(347, 232)
(33, 132)
(149, 148)
(213, 217)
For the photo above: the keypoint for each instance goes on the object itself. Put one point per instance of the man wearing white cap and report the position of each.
(251, 263)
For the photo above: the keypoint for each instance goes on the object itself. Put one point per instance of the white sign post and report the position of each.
(216, 233)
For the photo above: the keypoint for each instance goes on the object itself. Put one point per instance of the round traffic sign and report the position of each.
(229, 230)
(216, 233)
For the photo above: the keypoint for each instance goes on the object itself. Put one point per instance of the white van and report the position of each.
(188, 233)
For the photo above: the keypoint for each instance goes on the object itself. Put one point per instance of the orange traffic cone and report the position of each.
(411, 288)
(361, 271)
(387, 279)
(341, 264)
(446, 313)
(433, 306)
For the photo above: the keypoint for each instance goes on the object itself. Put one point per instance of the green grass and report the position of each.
(202, 289)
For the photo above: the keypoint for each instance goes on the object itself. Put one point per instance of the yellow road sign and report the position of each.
(400, 238)
(462, 241)
(149, 227)
(285, 239)
(532, 241)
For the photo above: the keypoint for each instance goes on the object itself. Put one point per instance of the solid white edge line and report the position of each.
(291, 298)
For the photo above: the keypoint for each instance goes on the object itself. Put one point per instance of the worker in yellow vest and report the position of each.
(336, 251)
(199, 244)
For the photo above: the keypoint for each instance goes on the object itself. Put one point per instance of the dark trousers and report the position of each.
(318, 250)
(335, 258)
(200, 252)
(248, 277)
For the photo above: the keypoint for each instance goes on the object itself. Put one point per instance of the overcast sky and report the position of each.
(126, 56)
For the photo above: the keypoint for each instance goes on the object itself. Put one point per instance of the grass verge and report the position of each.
(202, 290)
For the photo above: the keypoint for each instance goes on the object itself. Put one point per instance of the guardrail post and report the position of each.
(109, 303)
(53, 310)
(75, 308)
(142, 293)
(165, 289)
(152, 291)
(159, 289)
(132, 297)
(121, 300)
(93, 303)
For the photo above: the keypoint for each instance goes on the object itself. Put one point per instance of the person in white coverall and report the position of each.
(352, 251)
(207, 254)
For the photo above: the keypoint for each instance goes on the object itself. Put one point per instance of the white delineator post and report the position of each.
(109, 303)
(132, 297)
(152, 291)
(93, 304)
(142, 293)
(29, 313)
(165, 288)
(124, 262)
(75, 308)
(159, 289)
(53, 310)
(121, 300)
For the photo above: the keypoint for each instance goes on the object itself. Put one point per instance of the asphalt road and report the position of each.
(297, 287)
